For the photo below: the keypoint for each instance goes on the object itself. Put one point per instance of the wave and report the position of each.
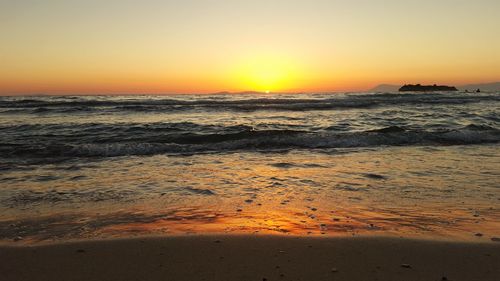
(48, 105)
(243, 138)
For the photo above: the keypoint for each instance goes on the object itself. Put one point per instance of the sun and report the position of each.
(266, 74)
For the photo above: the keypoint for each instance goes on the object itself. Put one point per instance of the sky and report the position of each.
(204, 46)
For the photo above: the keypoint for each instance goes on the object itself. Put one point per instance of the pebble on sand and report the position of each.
(18, 238)
(375, 176)
(478, 234)
(334, 269)
(405, 265)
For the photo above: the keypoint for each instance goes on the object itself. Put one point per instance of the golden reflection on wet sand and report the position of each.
(341, 223)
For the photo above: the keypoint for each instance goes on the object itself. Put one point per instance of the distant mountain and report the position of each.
(485, 87)
(385, 88)
(239, 93)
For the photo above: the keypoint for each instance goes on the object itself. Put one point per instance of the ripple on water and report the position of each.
(26, 198)
(199, 191)
(286, 165)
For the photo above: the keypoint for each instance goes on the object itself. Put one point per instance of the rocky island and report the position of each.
(426, 88)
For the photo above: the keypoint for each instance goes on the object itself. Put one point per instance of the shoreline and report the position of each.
(252, 257)
(21, 242)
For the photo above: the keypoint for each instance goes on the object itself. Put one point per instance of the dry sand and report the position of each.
(249, 258)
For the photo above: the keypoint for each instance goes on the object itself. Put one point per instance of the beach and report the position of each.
(222, 187)
(250, 257)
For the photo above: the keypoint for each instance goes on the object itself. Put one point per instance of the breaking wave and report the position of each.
(243, 138)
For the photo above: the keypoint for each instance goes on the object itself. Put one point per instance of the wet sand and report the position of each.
(252, 258)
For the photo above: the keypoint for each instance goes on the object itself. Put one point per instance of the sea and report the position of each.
(423, 165)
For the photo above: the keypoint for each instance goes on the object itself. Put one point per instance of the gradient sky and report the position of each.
(188, 46)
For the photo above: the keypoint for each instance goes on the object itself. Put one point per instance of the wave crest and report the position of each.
(247, 139)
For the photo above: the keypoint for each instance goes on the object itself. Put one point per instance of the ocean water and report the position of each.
(412, 165)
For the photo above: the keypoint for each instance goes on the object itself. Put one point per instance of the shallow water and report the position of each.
(413, 165)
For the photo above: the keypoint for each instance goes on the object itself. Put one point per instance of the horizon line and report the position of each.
(222, 92)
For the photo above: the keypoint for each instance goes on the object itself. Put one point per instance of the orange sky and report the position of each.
(128, 46)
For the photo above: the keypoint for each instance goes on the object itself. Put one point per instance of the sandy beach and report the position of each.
(252, 258)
